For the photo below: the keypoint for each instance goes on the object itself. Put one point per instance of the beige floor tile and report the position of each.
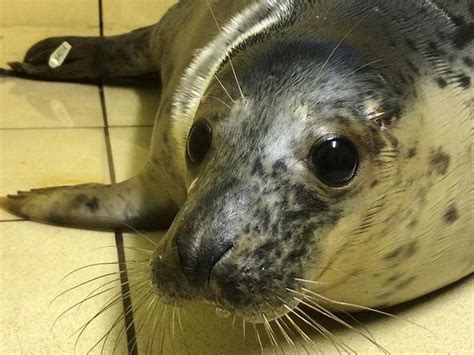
(131, 106)
(123, 16)
(130, 147)
(34, 260)
(50, 13)
(48, 157)
(32, 104)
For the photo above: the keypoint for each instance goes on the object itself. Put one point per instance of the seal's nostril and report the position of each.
(198, 257)
(220, 257)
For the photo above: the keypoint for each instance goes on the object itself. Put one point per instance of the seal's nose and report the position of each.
(199, 257)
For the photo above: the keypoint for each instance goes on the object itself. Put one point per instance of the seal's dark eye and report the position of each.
(199, 142)
(335, 161)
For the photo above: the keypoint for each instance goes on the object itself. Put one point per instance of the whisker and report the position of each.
(324, 268)
(362, 67)
(290, 331)
(120, 334)
(310, 302)
(145, 251)
(310, 281)
(117, 296)
(233, 321)
(257, 334)
(179, 321)
(323, 331)
(124, 330)
(173, 323)
(283, 332)
(154, 328)
(367, 309)
(221, 101)
(285, 335)
(112, 281)
(332, 316)
(171, 331)
(85, 283)
(78, 303)
(121, 284)
(165, 313)
(84, 327)
(223, 88)
(323, 67)
(143, 262)
(142, 323)
(125, 224)
(298, 329)
(244, 334)
(270, 332)
(230, 59)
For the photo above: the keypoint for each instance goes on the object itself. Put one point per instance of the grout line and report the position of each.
(125, 288)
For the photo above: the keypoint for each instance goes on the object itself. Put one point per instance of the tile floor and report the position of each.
(55, 134)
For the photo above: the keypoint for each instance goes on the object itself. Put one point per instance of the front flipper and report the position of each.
(134, 203)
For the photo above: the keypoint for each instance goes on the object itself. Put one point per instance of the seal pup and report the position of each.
(310, 152)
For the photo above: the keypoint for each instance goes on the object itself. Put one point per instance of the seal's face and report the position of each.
(270, 177)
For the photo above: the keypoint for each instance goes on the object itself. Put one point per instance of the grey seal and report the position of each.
(314, 152)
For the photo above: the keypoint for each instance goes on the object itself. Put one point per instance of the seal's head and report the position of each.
(271, 175)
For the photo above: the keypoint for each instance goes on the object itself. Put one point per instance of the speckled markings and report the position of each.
(248, 111)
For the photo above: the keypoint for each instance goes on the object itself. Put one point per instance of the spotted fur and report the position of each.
(272, 78)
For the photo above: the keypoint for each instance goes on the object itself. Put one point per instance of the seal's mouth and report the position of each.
(232, 283)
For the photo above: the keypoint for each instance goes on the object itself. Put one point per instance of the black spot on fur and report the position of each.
(257, 168)
(433, 49)
(374, 183)
(278, 168)
(410, 250)
(394, 254)
(392, 279)
(468, 61)
(412, 67)
(92, 203)
(410, 44)
(411, 153)
(451, 214)
(439, 161)
(458, 20)
(463, 36)
(405, 283)
(343, 121)
(441, 82)
(412, 224)
(464, 81)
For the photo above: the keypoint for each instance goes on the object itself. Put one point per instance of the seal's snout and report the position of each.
(198, 258)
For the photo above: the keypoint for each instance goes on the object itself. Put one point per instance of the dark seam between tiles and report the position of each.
(125, 289)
